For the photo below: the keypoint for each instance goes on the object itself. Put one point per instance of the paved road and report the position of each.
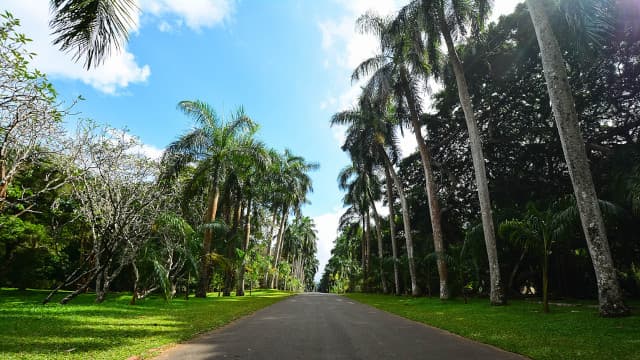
(323, 326)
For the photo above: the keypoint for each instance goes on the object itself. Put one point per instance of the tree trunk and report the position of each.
(564, 112)
(392, 231)
(407, 225)
(376, 219)
(136, 277)
(205, 263)
(273, 225)
(475, 143)
(245, 247)
(545, 277)
(283, 221)
(432, 194)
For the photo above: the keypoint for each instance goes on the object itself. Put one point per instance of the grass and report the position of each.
(566, 333)
(114, 329)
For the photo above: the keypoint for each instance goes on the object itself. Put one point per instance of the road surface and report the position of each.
(325, 326)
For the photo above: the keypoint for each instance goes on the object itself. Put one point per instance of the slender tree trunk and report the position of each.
(236, 220)
(245, 247)
(514, 272)
(205, 261)
(392, 231)
(136, 278)
(564, 112)
(415, 291)
(283, 221)
(545, 276)
(475, 143)
(432, 195)
(271, 228)
(376, 219)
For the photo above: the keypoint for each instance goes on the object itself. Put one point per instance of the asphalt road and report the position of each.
(324, 326)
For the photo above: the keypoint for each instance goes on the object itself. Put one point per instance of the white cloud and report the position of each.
(121, 69)
(327, 227)
(197, 14)
(118, 71)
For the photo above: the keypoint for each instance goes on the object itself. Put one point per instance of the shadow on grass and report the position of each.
(46, 331)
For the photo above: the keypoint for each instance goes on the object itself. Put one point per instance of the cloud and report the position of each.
(327, 227)
(121, 69)
(196, 14)
(118, 71)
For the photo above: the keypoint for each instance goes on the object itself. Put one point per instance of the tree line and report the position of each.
(82, 208)
(526, 175)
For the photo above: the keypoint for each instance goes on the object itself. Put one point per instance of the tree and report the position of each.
(117, 198)
(30, 122)
(211, 146)
(367, 135)
(396, 74)
(441, 18)
(91, 29)
(562, 103)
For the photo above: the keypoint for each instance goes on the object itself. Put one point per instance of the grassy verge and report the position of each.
(566, 333)
(114, 329)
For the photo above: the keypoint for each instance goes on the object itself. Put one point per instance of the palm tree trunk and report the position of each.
(274, 279)
(415, 291)
(376, 219)
(245, 247)
(205, 263)
(270, 234)
(392, 231)
(475, 143)
(564, 112)
(432, 194)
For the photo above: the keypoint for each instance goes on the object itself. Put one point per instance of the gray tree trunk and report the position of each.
(475, 143)
(415, 291)
(283, 221)
(205, 263)
(432, 195)
(564, 112)
(376, 219)
(245, 248)
(392, 231)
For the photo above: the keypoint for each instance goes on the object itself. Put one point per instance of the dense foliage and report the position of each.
(529, 183)
(87, 210)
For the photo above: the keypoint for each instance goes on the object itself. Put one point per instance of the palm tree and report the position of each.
(564, 112)
(396, 74)
(91, 29)
(368, 135)
(294, 184)
(211, 147)
(441, 18)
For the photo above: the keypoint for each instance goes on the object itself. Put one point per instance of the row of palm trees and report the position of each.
(241, 179)
(410, 54)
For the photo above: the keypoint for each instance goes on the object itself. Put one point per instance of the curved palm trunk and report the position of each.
(205, 263)
(376, 219)
(415, 291)
(432, 195)
(245, 247)
(475, 143)
(564, 112)
(392, 231)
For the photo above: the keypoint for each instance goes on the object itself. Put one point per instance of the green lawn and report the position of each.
(521, 327)
(114, 329)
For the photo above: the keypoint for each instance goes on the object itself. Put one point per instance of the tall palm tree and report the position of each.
(294, 185)
(91, 29)
(566, 117)
(211, 146)
(396, 74)
(443, 18)
(368, 135)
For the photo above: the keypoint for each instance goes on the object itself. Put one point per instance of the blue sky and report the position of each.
(287, 62)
